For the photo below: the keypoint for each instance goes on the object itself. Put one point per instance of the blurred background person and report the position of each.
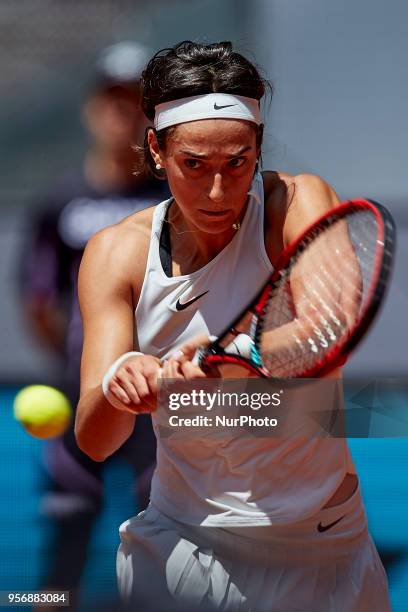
(100, 193)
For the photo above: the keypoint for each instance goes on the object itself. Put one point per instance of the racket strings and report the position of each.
(320, 297)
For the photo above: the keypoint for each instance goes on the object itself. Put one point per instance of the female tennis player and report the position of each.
(266, 525)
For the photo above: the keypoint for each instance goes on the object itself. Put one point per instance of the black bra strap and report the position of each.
(165, 246)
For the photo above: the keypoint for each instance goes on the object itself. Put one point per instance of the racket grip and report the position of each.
(200, 352)
(198, 356)
(241, 345)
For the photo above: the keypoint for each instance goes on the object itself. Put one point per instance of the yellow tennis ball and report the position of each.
(43, 411)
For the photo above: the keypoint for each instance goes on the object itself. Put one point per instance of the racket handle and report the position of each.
(196, 359)
(200, 352)
(241, 345)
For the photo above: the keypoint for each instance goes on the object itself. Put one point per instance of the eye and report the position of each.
(237, 162)
(192, 163)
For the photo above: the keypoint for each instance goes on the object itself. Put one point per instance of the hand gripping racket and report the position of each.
(318, 303)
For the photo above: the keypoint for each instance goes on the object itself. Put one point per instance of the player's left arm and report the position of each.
(312, 197)
(309, 198)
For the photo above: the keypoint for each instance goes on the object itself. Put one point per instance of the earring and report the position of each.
(158, 166)
(236, 226)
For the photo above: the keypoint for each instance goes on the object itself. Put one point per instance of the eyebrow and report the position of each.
(203, 156)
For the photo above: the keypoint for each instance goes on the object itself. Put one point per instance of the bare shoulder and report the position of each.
(314, 186)
(278, 193)
(288, 188)
(117, 255)
(295, 201)
(276, 182)
(312, 197)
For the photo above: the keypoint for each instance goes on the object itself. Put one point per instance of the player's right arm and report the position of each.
(107, 298)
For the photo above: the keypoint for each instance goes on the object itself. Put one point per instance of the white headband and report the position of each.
(208, 106)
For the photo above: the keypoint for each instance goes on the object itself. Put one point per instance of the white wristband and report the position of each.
(110, 374)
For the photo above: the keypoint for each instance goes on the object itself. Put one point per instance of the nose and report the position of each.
(217, 192)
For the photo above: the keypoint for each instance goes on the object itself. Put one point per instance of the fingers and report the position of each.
(189, 348)
(152, 377)
(128, 384)
(191, 370)
(181, 368)
(187, 354)
(118, 393)
(171, 368)
(134, 384)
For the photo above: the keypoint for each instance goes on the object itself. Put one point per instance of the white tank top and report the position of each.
(239, 480)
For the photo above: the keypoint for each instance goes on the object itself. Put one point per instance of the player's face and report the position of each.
(210, 165)
(114, 118)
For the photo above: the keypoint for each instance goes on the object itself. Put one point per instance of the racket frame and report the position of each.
(215, 355)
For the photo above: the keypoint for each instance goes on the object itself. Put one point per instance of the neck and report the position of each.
(192, 248)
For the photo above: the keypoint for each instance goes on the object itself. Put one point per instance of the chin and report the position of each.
(216, 227)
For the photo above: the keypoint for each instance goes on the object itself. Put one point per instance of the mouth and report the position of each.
(214, 213)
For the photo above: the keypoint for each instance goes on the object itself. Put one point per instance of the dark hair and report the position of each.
(193, 69)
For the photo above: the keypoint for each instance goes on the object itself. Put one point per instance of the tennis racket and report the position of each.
(318, 303)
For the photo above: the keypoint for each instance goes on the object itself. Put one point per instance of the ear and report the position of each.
(154, 147)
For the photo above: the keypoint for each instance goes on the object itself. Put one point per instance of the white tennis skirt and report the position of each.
(327, 563)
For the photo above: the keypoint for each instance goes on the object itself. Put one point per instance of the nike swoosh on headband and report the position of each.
(216, 107)
(321, 528)
(180, 306)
